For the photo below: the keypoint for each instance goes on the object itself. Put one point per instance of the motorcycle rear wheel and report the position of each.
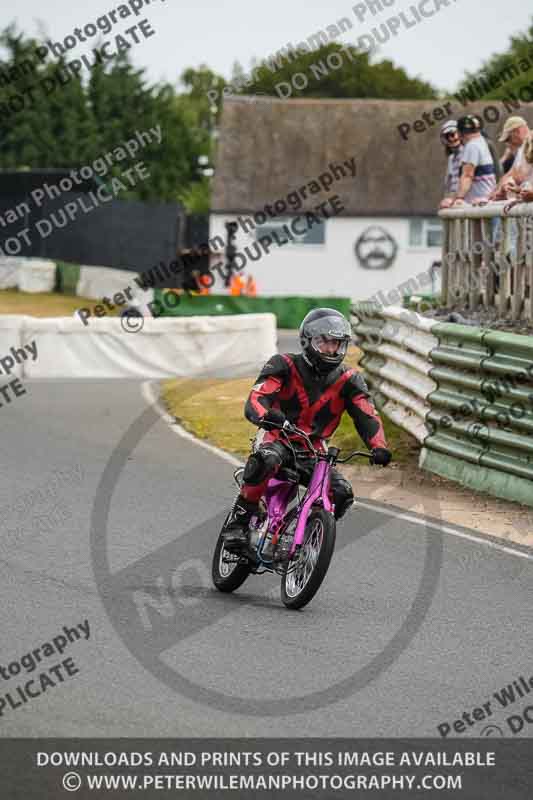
(228, 570)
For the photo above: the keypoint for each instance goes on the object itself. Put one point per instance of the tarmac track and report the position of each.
(245, 665)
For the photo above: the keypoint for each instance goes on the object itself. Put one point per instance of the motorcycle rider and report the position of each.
(309, 390)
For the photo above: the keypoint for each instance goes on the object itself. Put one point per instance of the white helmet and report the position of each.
(448, 127)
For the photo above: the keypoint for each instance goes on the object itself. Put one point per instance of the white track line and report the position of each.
(447, 529)
(152, 400)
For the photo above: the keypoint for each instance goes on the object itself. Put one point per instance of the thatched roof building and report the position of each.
(269, 146)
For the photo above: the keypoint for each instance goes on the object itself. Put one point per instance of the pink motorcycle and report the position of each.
(297, 542)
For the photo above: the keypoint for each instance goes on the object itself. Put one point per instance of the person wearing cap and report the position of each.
(449, 137)
(514, 134)
(478, 175)
(525, 190)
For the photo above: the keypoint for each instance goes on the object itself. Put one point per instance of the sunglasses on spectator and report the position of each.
(451, 135)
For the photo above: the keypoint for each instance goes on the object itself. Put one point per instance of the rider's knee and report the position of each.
(260, 465)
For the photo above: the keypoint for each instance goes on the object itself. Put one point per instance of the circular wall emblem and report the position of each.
(376, 248)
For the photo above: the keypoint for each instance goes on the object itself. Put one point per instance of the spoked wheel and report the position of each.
(306, 573)
(229, 570)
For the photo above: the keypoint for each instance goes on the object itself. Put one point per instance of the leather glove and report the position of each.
(380, 456)
(275, 417)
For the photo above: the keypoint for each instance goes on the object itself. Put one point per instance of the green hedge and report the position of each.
(289, 311)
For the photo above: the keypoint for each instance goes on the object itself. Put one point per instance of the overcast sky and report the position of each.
(439, 49)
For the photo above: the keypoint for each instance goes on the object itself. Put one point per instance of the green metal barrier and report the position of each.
(67, 277)
(289, 310)
(481, 414)
(477, 422)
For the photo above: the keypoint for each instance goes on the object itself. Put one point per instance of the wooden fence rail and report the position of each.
(487, 258)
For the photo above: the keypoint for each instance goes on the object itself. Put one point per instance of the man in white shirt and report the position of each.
(515, 132)
(478, 176)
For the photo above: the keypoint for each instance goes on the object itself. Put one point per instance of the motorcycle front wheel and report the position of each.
(307, 571)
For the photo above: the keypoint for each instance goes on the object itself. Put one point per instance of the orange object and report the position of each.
(237, 285)
(203, 282)
(251, 287)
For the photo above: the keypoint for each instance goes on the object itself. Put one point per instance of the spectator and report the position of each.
(498, 171)
(477, 179)
(526, 186)
(508, 157)
(449, 137)
(202, 281)
(251, 286)
(514, 133)
(237, 285)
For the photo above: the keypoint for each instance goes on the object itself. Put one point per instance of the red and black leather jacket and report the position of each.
(312, 402)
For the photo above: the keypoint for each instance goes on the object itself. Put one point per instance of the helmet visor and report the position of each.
(326, 345)
(330, 347)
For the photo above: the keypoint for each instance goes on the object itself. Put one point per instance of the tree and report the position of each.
(198, 83)
(52, 117)
(514, 68)
(335, 71)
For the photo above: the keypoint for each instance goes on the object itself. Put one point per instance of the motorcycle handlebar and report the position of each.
(362, 453)
(352, 455)
(293, 429)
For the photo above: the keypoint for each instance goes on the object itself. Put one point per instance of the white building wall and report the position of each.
(331, 269)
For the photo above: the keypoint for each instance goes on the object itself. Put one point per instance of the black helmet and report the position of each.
(318, 330)
(470, 123)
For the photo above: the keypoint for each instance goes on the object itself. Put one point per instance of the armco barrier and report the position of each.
(38, 275)
(10, 336)
(396, 344)
(481, 414)
(163, 348)
(473, 408)
(9, 272)
(289, 311)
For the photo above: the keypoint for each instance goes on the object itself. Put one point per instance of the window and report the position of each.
(302, 232)
(425, 232)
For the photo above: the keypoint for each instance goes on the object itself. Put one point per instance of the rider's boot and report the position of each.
(236, 528)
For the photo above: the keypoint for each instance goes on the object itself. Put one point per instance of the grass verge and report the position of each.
(47, 304)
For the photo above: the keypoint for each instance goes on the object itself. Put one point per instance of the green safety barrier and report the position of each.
(481, 414)
(289, 311)
(67, 277)
(479, 417)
